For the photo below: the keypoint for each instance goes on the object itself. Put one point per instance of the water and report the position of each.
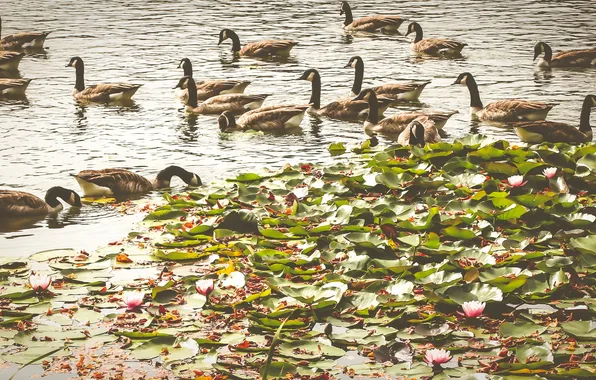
(49, 136)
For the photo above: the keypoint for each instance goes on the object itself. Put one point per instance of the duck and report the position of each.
(387, 24)
(433, 46)
(507, 110)
(9, 60)
(19, 203)
(258, 49)
(566, 58)
(101, 93)
(409, 91)
(105, 182)
(14, 87)
(342, 109)
(396, 124)
(535, 132)
(420, 131)
(236, 103)
(209, 88)
(266, 119)
(22, 40)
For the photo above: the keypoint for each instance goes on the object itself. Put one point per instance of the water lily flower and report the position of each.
(133, 299)
(204, 287)
(516, 181)
(40, 282)
(437, 357)
(549, 172)
(473, 309)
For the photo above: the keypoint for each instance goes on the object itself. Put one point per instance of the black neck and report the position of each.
(358, 77)
(235, 40)
(584, 118)
(80, 72)
(548, 52)
(54, 193)
(192, 93)
(171, 171)
(419, 33)
(474, 94)
(348, 11)
(187, 66)
(373, 108)
(315, 98)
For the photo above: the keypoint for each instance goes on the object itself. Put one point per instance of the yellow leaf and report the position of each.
(228, 269)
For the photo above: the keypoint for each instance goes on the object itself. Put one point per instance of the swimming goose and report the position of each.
(397, 123)
(398, 91)
(343, 109)
(259, 49)
(103, 93)
(19, 203)
(22, 40)
(97, 183)
(502, 110)
(420, 131)
(535, 132)
(209, 88)
(568, 58)
(236, 103)
(433, 46)
(9, 60)
(13, 87)
(264, 119)
(369, 23)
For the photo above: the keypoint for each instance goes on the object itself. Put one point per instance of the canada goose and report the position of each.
(343, 109)
(369, 23)
(13, 87)
(209, 88)
(433, 46)
(420, 131)
(18, 203)
(259, 49)
(268, 119)
(97, 183)
(9, 60)
(396, 123)
(535, 132)
(397, 91)
(502, 110)
(103, 93)
(22, 40)
(568, 58)
(236, 103)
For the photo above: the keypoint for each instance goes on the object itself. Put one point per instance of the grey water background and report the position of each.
(48, 136)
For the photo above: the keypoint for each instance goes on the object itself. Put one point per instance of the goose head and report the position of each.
(366, 94)
(226, 121)
(309, 75)
(414, 27)
(463, 79)
(75, 62)
(417, 133)
(344, 8)
(67, 195)
(224, 35)
(540, 48)
(354, 61)
(591, 99)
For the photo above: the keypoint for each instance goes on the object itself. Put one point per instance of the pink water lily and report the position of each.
(133, 299)
(549, 172)
(436, 357)
(40, 282)
(473, 309)
(516, 181)
(204, 287)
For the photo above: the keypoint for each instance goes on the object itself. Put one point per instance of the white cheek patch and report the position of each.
(354, 64)
(71, 199)
(464, 80)
(310, 77)
(225, 35)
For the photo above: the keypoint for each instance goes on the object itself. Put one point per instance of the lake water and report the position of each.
(49, 136)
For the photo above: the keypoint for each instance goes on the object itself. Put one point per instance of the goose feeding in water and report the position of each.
(385, 23)
(209, 88)
(420, 131)
(258, 49)
(19, 203)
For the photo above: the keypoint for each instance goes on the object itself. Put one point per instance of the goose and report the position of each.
(266, 119)
(259, 49)
(104, 182)
(502, 110)
(13, 87)
(397, 123)
(386, 24)
(420, 131)
(9, 60)
(209, 88)
(398, 91)
(236, 103)
(19, 203)
(535, 132)
(22, 40)
(343, 109)
(103, 93)
(567, 58)
(433, 46)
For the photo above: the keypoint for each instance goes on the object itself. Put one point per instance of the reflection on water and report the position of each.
(47, 136)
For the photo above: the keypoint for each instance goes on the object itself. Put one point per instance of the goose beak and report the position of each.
(346, 66)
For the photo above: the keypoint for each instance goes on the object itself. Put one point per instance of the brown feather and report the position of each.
(21, 203)
(119, 181)
(270, 118)
(13, 85)
(267, 48)
(16, 41)
(10, 59)
(101, 92)
(209, 88)
(235, 103)
(373, 23)
(512, 109)
(437, 46)
(553, 131)
(580, 57)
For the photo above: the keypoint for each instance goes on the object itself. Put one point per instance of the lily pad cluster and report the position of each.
(360, 268)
